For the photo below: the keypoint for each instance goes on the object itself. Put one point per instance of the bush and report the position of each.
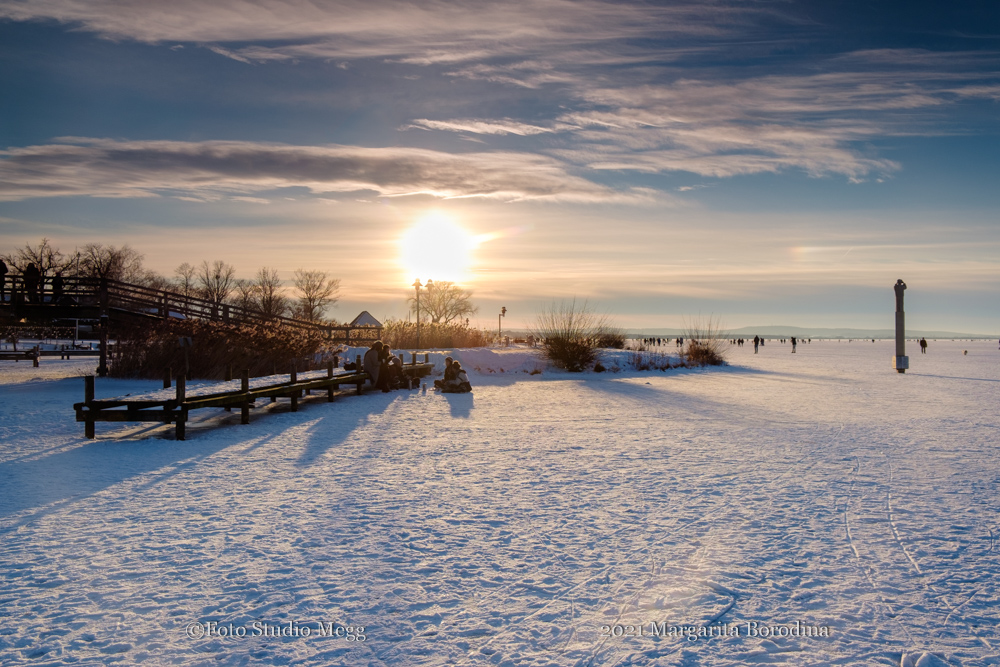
(145, 350)
(642, 360)
(400, 335)
(705, 344)
(571, 335)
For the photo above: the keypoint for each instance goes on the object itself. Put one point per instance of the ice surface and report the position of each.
(507, 526)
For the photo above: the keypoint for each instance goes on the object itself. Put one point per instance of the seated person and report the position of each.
(398, 379)
(460, 384)
(449, 373)
(371, 362)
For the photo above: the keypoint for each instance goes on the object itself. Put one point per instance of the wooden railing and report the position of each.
(107, 295)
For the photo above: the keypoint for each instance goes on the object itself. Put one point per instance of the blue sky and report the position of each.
(765, 162)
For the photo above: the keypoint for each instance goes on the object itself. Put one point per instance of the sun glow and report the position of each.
(436, 247)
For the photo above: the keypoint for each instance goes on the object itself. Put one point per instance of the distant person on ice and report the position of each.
(756, 343)
(794, 343)
(923, 346)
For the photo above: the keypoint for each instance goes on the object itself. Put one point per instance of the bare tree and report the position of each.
(443, 302)
(269, 298)
(107, 261)
(244, 298)
(315, 292)
(185, 279)
(216, 280)
(45, 258)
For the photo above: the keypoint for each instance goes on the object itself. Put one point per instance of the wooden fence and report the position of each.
(88, 298)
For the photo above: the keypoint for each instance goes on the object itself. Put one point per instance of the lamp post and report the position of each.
(503, 313)
(416, 287)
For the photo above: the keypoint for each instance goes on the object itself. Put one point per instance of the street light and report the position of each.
(503, 313)
(417, 286)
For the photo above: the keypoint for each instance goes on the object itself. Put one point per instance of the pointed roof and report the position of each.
(365, 319)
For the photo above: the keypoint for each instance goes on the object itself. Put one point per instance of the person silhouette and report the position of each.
(32, 278)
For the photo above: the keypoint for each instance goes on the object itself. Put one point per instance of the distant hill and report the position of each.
(773, 331)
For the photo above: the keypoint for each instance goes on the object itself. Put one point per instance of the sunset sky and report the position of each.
(766, 162)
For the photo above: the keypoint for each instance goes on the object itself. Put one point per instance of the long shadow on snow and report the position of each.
(333, 430)
(461, 405)
(631, 386)
(80, 472)
(952, 377)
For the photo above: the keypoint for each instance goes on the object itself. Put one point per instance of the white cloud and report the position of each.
(206, 170)
(476, 126)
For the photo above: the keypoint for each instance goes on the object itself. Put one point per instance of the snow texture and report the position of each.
(511, 525)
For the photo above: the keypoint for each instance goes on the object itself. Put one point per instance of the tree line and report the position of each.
(312, 291)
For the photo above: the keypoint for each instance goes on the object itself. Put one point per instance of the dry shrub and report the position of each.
(705, 343)
(144, 350)
(400, 335)
(643, 360)
(571, 335)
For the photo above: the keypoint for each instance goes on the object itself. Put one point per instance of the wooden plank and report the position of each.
(165, 416)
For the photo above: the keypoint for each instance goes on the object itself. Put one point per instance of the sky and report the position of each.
(766, 162)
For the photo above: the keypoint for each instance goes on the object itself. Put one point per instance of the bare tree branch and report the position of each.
(443, 302)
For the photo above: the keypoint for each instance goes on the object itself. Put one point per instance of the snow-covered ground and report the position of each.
(528, 523)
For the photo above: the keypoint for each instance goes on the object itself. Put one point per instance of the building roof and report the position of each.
(365, 319)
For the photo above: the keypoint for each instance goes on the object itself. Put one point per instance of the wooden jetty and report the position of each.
(172, 407)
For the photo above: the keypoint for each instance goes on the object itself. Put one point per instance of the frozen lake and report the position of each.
(848, 511)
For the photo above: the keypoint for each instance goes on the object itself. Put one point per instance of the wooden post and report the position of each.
(88, 398)
(413, 358)
(427, 358)
(102, 366)
(329, 389)
(245, 408)
(37, 355)
(181, 413)
(360, 368)
(295, 394)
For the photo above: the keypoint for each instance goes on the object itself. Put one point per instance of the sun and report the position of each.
(438, 248)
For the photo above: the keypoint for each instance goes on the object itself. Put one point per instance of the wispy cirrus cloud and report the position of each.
(819, 123)
(425, 32)
(476, 126)
(109, 168)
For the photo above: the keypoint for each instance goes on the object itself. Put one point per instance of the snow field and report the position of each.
(512, 525)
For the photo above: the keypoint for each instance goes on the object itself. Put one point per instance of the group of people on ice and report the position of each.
(385, 369)
(385, 372)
